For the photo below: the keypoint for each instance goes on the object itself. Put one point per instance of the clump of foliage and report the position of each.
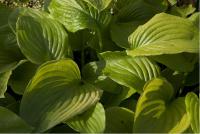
(94, 66)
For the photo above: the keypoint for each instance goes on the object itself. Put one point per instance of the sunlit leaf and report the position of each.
(158, 111)
(91, 121)
(56, 94)
(48, 39)
(135, 71)
(78, 14)
(192, 107)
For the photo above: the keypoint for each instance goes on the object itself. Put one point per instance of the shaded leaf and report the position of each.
(119, 120)
(21, 76)
(11, 123)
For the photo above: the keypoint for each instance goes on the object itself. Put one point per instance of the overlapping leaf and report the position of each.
(78, 14)
(130, 14)
(21, 76)
(135, 71)
(11, 123)
(99, 4)
(4, 77)
(92, 121)
(119, 120)
(56, 94)
(192, 107)
(158, 111)
(9, 52)
(48, 39)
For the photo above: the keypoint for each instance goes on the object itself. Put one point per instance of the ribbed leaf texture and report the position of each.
(48, 39)
(91, 121)
(158, 112)
(56, 94)
(192, 107)
(135, 71)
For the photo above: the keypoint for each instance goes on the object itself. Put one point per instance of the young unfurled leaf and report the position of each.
(192, 107)
(12, 123)
(48, 39)
(56, 94)
(158, 111)
(91, 121)
(76, 15)
(135, 70)
(119, 120)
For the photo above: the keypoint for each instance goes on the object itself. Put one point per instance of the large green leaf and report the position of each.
(135, 71)
(21, 76)
(158, 111)
(91, 121)
(164, 34)
(11, 123)
(78, 14)
(130, 14)
(48, 39)
(119, 120)
(192, 107)
(4, 77)
(56, 94)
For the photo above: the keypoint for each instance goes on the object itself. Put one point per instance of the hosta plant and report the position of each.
(100, 66)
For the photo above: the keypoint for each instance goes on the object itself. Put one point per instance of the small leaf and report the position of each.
(192, 108)
(56, 94)
(135, 71)
(119, 120)
(11, 123)
(183, 11)
(4, 77)
(158, 112)
(91, 121)
(76, 15)
(48, 40)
